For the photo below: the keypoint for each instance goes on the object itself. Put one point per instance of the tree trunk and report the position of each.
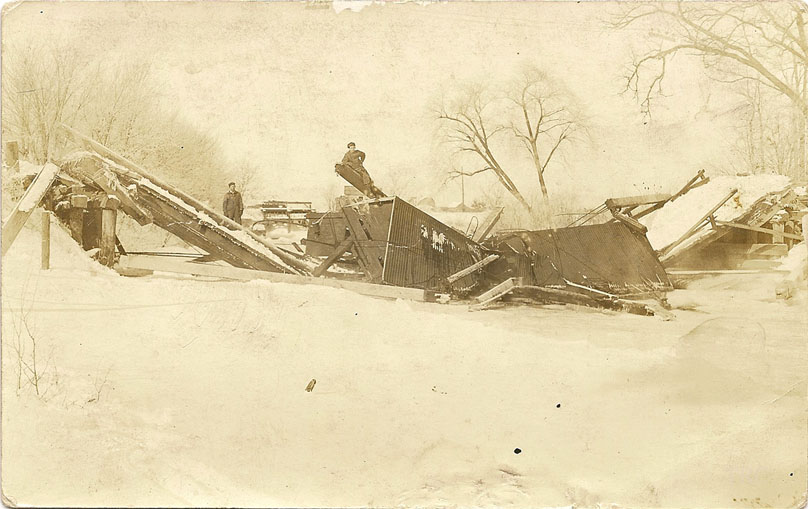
(543, 186)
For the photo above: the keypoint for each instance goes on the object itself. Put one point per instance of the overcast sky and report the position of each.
(288, 86)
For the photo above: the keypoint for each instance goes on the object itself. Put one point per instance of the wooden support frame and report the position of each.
(45, 244)
(30, 200)
(155, 186)
(108, 222)
(698, 180)
(110, 184)
(760, 229)
(667, 250)
(370, 265)
(166, 264)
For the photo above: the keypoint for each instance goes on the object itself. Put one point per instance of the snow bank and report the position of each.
(796, 262)
(669, 223)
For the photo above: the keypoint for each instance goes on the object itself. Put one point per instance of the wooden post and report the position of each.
(108, 218)
(45, 257)
(13, 156)
(777, 238)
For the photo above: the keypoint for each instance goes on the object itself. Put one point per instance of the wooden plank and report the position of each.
(30, 200)
(45, 247)
(568, 297)
(674, 272)
(759, 229)
(370, 264)
(666, 251)
(166, 264)
(108, 220)
(630, 222)
(499, 290)
(76, 222)
(488, 224)
(634, 201)
(344, 246)
(471, 268)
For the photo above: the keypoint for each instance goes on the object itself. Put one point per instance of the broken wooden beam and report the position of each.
(30, 200)
(557, 295)
(630, 222)
(166, 264)
(468, 270)
(499, 291)
(760, 229)
(341, 249)
(488, 224)
(634, 201)
(696, 181)
(670, 247)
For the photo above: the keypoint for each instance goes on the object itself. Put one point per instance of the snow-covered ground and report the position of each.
(672, 221)
(169, 391)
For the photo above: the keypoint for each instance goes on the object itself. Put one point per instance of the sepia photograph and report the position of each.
(373, 253)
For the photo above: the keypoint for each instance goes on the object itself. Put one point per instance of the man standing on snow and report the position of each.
(233, 206)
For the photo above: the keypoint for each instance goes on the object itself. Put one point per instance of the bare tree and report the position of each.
(761, 42)
(764, 42)
(546, 119)
(470, 129)
(246, 173)
(42, 87)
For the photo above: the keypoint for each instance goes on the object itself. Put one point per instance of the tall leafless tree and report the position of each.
(762, 42)
(546, 120)
(472, 130)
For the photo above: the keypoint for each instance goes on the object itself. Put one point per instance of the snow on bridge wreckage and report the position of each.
(613, 257)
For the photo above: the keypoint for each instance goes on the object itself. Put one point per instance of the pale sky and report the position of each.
(288, 86)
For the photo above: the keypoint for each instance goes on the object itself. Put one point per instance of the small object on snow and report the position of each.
(785, 290)
(517, 450)
(310, 387)
(443, 298)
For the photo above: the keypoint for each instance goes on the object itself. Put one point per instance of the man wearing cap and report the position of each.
(354, 159)
(233, 206)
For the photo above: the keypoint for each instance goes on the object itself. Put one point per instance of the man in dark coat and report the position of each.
(233, 206)
(354, 159)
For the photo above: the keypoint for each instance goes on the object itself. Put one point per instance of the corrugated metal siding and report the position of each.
(325, 233)
(608, 257)
(422, 251)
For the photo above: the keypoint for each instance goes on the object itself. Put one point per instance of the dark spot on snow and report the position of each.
(791, 474)
(558, 405)
(517, 450)
(356, 314)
